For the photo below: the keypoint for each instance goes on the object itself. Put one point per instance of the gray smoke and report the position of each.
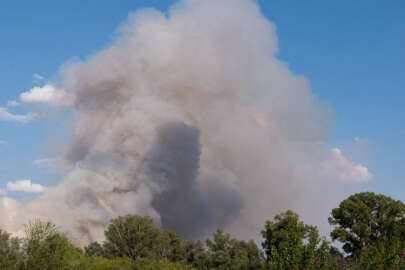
(190, 118)
(173, 164)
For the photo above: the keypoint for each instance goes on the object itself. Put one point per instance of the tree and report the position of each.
(231, 254)
(367, 223)
(291, 244)
(47, 249)
(253, 257)
(131, 236)
(383, 255)
(150, 264)
(168, 246)
(99, 263)
(193, 253)
(134, 236)
(10, 255)
(94, 249)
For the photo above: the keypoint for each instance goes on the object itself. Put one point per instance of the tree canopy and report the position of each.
(370, 227)
(291, 244)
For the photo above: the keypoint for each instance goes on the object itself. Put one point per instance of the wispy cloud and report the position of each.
(25, 186)
(52, 163)
(5, 115)
(38, 78)
(43, 161)
(12, 103)
(361, 141)
(2, 142)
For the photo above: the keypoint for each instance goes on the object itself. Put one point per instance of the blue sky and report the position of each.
(352, 53)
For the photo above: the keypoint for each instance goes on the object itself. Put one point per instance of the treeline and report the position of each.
(370, 229)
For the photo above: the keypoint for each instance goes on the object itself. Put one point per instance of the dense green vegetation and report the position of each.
(370, 227)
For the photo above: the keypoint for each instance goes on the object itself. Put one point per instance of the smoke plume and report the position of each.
(190, 118)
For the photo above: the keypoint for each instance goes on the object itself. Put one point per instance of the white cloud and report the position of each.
(2, 142)
(25, 186)
(344, 169)
(47, 94)
(39, 94)
(12, 103)
(361, 141)
(22, 118)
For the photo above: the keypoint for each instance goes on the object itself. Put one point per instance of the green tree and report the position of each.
(134, 236)
(151, 264)
(99, 263)
(47, 249)
(383, 255)
(291, 244)
(194, 253)
(367, 223)
(231, 254)
(253, 257)
(94, 249)
(10, 254)
(168, 246)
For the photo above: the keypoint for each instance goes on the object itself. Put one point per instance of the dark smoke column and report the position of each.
(172, 164)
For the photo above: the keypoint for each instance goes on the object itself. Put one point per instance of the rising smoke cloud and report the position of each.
(190, 118)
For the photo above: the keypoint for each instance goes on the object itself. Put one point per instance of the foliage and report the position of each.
(227, 253)
(194, 253)
(135, 236)
(370, 225)
(95, 249)
(46, 249)
(99, 263)
(10, 256)
(291, 244)
(150, 264)
(382, 255)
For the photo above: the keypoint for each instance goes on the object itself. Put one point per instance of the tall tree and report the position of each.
(47, 249)
(291, 244)
(370, 223)
(135, 236)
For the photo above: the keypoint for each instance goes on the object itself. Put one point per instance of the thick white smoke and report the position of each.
(190, 118)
